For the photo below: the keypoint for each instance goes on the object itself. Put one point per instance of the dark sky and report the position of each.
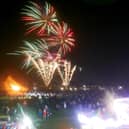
(102, 36)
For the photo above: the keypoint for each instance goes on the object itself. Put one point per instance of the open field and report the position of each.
(63, 119)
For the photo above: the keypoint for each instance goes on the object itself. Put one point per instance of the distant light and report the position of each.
(62, 88)
(35, 88)
(80, 69)
(84, 89)
(40, 97)
(84, 86)
(101, 88)
(75, 89)
(70, 89)
(120, 88)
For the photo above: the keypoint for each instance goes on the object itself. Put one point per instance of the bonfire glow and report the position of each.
(14, 88)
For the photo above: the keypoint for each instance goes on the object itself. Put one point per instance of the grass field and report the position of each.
(63, 119)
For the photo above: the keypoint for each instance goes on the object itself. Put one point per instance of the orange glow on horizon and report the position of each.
(14, 88)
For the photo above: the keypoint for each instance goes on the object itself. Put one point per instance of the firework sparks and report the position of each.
(38, 18)
(67, 73)
(47, 70)
(40, 59)
(62, 36)
(56, 39)
(52, 57)
(32, 51)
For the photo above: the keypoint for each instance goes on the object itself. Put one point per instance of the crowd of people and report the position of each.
(95, 99)
(90, 100)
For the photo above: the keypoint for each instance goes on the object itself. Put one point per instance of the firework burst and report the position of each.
(40, 59)
(32, 51)
(56, 39)
(38, 18)
(66, 73)
(47, 70)
(62, 36)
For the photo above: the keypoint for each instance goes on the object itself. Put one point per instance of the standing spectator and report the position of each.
(40, 113)
(65, 105)
(7, 110)
(45, 112)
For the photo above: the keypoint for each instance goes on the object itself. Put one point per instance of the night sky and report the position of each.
(102, 40)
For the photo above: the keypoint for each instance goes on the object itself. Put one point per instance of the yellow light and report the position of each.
(70, 89)
(67, 73)
(62, 88)
(15, 87)
(75, 89)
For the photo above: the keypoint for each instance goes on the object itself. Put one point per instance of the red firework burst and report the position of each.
(62, 35)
